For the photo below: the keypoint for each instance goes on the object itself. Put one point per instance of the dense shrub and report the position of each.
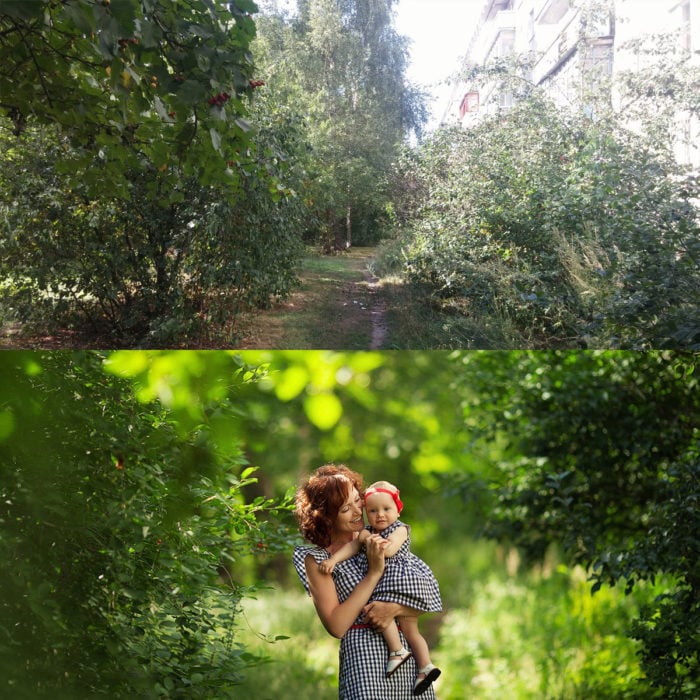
(575, 232)
(173, 260)
(122, 527)
(604, 462)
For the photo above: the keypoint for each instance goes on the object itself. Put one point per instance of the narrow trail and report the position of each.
(338, 306)
(377, 313)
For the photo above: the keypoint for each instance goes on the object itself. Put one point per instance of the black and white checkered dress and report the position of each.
(363, 652)
(407, 579)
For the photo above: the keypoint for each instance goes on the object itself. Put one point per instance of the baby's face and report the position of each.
(381, 510)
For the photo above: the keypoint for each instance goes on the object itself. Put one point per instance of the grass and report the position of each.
(418, 321)
(307, 659)
(330, 310)
(507, 634)
(338, 305)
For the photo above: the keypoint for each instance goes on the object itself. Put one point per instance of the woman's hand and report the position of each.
(374, 547)
(379, 614)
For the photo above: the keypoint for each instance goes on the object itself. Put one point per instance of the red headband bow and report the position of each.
(393, 494)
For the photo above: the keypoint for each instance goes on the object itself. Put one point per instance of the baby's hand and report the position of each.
(326, 567)
(381, 541)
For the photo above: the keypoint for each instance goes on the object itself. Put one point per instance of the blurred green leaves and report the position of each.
(134, 485)
(122, 522)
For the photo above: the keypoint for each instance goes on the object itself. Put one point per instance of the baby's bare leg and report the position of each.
(419, 647)
(392, 638)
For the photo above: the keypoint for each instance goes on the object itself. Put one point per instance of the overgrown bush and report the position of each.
(122, 528)
(175, 260)
(535, 636)
(576, 232)
(604, 463)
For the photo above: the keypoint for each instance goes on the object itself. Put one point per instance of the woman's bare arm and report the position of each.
(381, 614)
(338, 617)
(345, 552)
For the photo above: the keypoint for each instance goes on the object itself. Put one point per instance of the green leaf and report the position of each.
(247, 6)
(323, 410)
(22, 9)
(124, 12)
(127, 363)
(7, 423)
(291, 382)
(192, 92)
(80, 15)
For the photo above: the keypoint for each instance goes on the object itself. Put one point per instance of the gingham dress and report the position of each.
(363, 653)
(407, 579)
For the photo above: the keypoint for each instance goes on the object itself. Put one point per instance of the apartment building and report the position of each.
(572, 48)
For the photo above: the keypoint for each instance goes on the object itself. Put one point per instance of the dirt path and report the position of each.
(338, 306)
(378, 314)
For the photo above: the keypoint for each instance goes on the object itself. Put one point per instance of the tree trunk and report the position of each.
(348, 224)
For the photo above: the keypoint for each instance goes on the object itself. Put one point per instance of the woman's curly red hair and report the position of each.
(319, 499)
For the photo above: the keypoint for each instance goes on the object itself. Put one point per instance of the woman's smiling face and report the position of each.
(350, 518)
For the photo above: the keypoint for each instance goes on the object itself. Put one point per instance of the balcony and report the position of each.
(496, 35)
(553, 11)
(556, 42)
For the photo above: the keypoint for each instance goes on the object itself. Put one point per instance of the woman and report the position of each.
(329, 512)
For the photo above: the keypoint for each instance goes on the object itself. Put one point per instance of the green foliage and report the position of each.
(282, 626)
(146, 197)
(341, 65)
(133, 529)
(540, 635)
(175, 260)
(123, 522)
(126, 80)
(569, 231)
(602, 458)
(570, 226)
(393, 414)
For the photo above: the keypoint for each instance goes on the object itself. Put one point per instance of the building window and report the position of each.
(554, 11)
(470, 103)
(506, 100)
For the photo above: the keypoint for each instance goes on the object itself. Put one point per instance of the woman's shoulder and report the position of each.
(310, 550)
(299, 560)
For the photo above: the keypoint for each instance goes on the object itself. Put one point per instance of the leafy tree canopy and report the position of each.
(164, 80)
(601, 457)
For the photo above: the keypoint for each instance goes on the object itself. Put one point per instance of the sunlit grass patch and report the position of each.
(535, 636)
(508, 634)
(305, 662)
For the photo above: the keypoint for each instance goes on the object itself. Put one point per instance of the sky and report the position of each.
(440, 31)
